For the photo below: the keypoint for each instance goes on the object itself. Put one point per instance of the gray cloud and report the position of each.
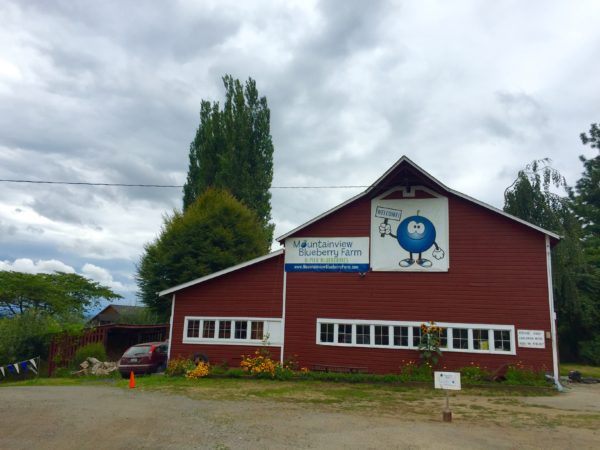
(110, 92)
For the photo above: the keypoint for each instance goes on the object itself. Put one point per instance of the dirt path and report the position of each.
(96, 417)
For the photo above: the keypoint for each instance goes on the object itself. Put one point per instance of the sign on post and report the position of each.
(447, 380)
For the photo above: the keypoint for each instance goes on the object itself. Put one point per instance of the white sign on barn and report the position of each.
(531, 338)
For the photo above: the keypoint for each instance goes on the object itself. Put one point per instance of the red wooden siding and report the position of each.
(255, 291)
(497, 276)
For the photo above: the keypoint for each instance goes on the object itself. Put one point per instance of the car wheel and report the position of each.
(124, 375)
(161, 368)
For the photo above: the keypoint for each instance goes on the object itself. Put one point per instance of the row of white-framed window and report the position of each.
(224, 329)
(231, 330)
(455, 337)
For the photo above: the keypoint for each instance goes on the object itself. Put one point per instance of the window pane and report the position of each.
(345, 333)
(256, 331)
(480, 340)
(363, 334)
(193, 330)
(208, 330)
(326, 332)
(224, 329)
(401, 336)
(382, 335)
(241, 329)
(416, 336)
(460, 338)
(444, 338)
(502, 340)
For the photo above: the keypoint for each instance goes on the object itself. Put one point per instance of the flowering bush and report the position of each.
(429, 347)
(179, 366)
(411, 371)
(259, 363)
(200, 371)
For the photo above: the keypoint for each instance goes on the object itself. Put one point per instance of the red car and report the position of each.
(149, 357)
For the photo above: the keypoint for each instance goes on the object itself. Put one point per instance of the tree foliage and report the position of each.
(54, 293)
(233, 150)
(215, 232)
(34, 307)
(585, 197)
(533, 197)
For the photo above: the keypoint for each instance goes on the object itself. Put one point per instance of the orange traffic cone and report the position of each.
(131, 380)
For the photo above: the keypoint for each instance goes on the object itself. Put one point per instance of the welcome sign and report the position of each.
(409, 235)
(327, 254)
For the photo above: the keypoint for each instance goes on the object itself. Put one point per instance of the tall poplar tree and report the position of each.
(233, 150)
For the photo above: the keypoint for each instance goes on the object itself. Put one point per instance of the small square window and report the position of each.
(502, 340)
(208, 329)
(224, 329)
(326, 332)
(256, 330)
(241, 329)
(401, 336)
(363, 334)
(193, 330)
(345, 333)
(481, 340)
(382, 335)
(460, 338)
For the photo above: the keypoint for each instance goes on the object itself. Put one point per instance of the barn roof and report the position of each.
(406, 172)
(220, 273)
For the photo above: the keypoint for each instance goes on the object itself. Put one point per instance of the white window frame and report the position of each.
(271, 327)
(410, 324)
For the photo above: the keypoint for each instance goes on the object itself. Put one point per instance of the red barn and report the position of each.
(352, 286)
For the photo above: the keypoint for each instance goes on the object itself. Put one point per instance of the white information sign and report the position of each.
(327, 254)
(447, 380)
(531, 338)
(409, 235)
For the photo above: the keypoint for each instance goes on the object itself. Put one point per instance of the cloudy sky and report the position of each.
(110, 91)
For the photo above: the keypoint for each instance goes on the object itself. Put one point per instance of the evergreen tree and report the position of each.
(585, 198)
(233, 150)
(215, 232)
(530, 197)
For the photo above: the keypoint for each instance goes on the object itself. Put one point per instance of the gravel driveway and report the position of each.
(98, 417)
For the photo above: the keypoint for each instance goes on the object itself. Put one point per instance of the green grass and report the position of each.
(586, 371)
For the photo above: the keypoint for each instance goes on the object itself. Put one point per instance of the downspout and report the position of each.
(552, 316)
(283, 314)
(171, 327)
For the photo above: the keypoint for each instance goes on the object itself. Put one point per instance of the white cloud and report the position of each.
(105, 278)
(40, 266)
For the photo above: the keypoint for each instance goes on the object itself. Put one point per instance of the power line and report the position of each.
(85, 183)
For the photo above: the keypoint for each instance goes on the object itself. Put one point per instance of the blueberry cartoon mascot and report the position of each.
(415, 234)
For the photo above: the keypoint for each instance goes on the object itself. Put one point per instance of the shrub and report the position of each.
(259, 364)
(95, 350)
(517, 374)
(412, 372)
(235, 373)
(590, 351)
(179, 366)
(473, 374)
(200, 371)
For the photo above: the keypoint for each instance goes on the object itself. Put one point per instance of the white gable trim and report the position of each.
(451, 191)
(220, 273)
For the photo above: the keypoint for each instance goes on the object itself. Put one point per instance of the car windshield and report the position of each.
(138, 350)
